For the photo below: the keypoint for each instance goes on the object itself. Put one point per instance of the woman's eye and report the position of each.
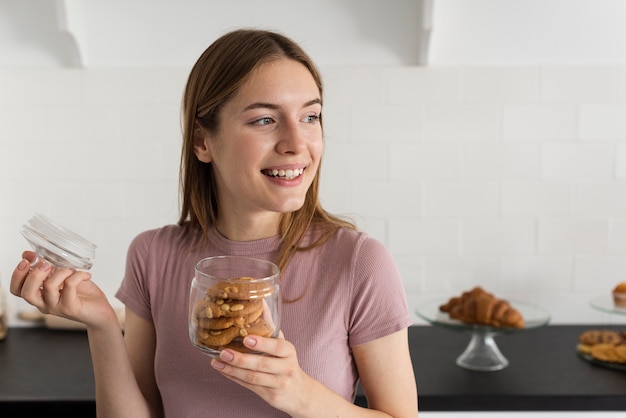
(312, 118)
(264, 121)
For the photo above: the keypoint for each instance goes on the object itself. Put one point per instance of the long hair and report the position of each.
(217, 75)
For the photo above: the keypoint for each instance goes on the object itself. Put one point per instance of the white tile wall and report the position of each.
(510, 178)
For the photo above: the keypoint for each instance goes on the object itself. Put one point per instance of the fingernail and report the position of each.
(217, 365)
(227, 356)
(43, 266)
(249, 341)
(22, 265)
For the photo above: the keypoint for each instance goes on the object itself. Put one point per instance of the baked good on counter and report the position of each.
(619, 295)
(604, 345)
(480, 307)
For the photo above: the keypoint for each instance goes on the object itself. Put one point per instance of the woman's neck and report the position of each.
(240, 229)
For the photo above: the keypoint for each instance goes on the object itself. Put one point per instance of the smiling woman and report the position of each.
(250, 169)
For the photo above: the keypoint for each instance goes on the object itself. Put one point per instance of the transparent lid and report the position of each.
(58, 244)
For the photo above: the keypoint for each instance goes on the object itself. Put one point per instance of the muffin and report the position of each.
(619, 295)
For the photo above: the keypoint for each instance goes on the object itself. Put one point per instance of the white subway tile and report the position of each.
(43, 86)
(375, 227)
(354, 85)
(94, 124)
(4, 94)
(159, 198)
(337, 122)
(363, 161)
(602, 122)
(537, 273)
(593, 273)
(425, 161)
(170, 85)
(501, 85)
(620, 90)
(445, 199)
(336, 194)
(577, 161)
(574, 84)
(23, 122)
(620, 163)
(120, 86)
(423, 85)
(461, 122)
(381, 198)
(498, 237)
(424, 236)
(410, 272)
(537, 199)
(378, 123)
(500, 161)
(540, 123)
(600, 199)
(618, 236)
(452, 275)
(561, 236)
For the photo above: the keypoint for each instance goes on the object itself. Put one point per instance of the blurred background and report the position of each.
(484, 141)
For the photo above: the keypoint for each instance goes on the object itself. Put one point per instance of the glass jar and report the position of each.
(232, 297)
(57, 244)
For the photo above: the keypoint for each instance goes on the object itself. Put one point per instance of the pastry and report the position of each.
(480, 307)
(619, 295)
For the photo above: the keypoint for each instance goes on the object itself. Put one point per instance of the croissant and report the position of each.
(480, 307)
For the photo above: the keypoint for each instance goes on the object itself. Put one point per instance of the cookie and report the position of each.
(230, 308)
(243, 288)
(593, 337)
(226, 322)
(606, 352)
(219, 338)
(620, 350)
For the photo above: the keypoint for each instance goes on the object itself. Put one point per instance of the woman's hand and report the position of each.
(63, 292)
(275, 377)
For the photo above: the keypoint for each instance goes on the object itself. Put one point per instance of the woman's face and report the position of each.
(268, 146)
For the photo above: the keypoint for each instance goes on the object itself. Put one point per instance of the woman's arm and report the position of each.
(120, 380)
(73, 295)
(387, 375)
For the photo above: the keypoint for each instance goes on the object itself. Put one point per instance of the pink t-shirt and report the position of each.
(348, 293)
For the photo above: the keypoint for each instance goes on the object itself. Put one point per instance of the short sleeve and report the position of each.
(134, 289)
(379, 306)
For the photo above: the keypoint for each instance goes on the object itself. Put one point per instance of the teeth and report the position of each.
(288, 174)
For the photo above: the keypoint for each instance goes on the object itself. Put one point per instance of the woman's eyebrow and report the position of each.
(262, 105)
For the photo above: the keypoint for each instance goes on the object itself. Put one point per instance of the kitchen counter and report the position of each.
(50, 370)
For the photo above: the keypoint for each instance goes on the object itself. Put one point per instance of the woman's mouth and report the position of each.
(287, 174)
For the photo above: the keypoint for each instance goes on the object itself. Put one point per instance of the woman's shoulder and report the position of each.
(346, 241)
(166, 236)
(346, 236)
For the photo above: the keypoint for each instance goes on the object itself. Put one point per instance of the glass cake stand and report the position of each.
(482, 353)
(604, 303)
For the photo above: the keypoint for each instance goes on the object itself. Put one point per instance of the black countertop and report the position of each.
(50, 370)
(544, 374)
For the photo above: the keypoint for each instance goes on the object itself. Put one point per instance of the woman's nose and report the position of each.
(292, 139)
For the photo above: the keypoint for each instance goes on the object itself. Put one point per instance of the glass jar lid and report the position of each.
(57, 244)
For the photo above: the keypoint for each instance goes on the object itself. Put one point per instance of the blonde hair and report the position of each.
(217, 75)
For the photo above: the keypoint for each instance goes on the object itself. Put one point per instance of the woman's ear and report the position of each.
(201, 143)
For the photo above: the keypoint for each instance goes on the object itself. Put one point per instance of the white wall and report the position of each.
(511, 177)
